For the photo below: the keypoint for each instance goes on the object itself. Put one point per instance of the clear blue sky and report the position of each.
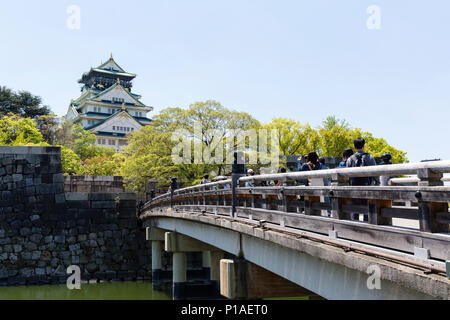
(300, 59)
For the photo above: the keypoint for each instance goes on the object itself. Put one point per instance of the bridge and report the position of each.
(267, 241)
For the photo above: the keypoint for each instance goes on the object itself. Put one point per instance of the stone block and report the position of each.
(58, 178)
(17, 177)
(60, 239)
(103, 205)
(30, 246)
(36, 255)
(45, 189)
(25, 231)
(60, 198)
(40, 271)
(36, 238)
(77, 196)
(75, 204)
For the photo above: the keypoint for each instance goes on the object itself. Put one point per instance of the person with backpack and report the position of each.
(346, 154)
(361, 159)
(312, 163)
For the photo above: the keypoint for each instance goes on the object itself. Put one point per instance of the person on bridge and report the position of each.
(346, 154)
(261, 173)
(385, 160)
(312, 164)
(206, 179)
(250, 173)
(280, 182)
(361, 159)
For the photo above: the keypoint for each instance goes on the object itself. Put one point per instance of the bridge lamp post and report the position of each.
(173, 187)
(238, 172)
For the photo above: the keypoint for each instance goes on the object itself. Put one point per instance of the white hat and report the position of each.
(250, 171)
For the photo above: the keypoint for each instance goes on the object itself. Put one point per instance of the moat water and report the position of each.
(99, 291)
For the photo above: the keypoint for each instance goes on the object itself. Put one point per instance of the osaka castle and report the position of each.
(107, 107)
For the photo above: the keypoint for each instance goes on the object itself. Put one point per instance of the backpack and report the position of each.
(360, 161)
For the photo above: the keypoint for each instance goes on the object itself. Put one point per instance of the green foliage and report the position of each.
(294, 138)
(149, 153)
(48, 127)
(329, 140)
(15, 131)
(148, 156)
(65, 134)
(335, 136)
(21, 103)
(378, 146)
(84, 144)
(101, 165)
(71, 162)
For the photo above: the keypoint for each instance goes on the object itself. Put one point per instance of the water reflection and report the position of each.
(100, 291)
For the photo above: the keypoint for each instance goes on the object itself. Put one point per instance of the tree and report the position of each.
(205, 124)
(294, 138)
(22, 103)
(208, 125)
(15, 131)
(48, 125)
(148, 156)
(71, 162)
(84, 144)
(379, 146)
(101, 165)
(335, 137)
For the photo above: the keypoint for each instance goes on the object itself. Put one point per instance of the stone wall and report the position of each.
(97, 184)
(43, 230)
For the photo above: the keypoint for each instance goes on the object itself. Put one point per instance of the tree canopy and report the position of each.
(16, 131)
(205, 128)
(22, 103)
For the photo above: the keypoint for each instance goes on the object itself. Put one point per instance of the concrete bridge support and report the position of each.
(240, 279)
(206, 263)
(157, 237)
(179, 245)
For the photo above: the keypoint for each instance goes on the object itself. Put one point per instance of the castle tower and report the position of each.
(107, 107)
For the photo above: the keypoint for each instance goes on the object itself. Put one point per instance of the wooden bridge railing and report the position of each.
(322, 209)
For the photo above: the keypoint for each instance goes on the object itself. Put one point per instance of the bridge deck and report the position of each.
(326, 213)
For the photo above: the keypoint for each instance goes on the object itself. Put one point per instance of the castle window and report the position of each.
(118, 100)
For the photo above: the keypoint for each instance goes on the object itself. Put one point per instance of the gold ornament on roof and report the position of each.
(118, 80)
(123, 106)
